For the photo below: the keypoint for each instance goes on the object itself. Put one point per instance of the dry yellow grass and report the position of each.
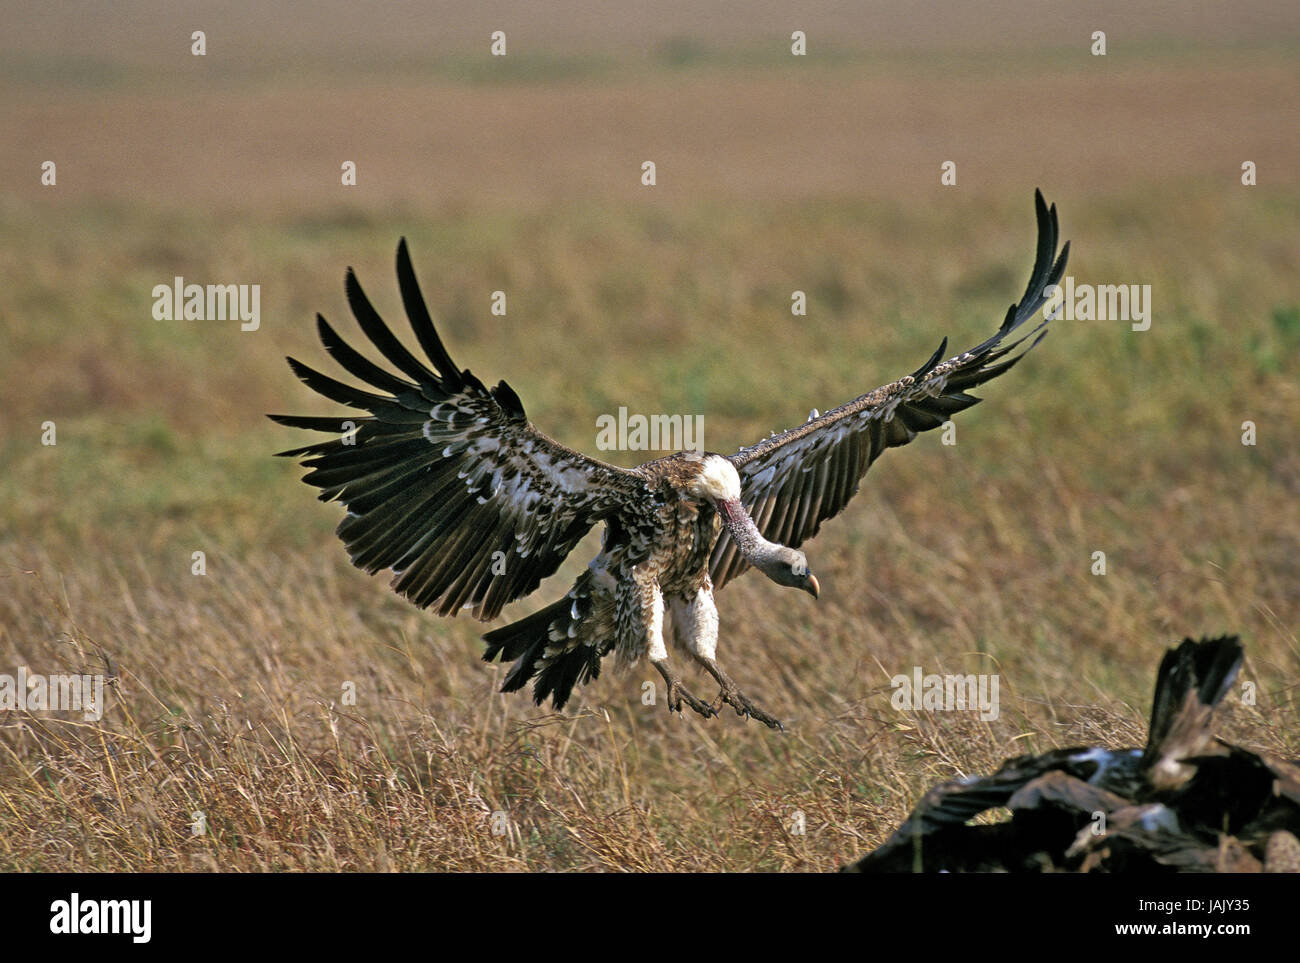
(227, 689)
(228, 699)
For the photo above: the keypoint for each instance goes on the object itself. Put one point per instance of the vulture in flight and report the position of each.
(447, 483)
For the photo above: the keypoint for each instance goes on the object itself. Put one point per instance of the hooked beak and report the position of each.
(814, 589)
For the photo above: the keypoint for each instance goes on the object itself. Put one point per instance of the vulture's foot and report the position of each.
(678, 694)
(744, 707)
(731, 695)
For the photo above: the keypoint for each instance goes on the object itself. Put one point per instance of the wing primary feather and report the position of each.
(315, 423)
(381, 336)
(934, 360)
(336, 390)
(421, 323)
(356, 363)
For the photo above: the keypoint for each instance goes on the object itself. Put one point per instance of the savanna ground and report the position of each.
(226, 694)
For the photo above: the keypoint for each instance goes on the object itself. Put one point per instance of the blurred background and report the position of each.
(522, 173)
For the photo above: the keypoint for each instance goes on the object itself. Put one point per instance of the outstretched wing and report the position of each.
(794, 481)
(445, 481)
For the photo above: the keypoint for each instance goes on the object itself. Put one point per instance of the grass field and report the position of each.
(226, 695)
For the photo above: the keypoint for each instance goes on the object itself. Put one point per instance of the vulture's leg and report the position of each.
(695, 629)
(639, 614)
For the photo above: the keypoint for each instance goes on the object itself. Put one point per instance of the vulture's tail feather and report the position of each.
(526, 643)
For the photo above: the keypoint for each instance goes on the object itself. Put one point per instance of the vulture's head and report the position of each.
(789, 566)
(718, 482)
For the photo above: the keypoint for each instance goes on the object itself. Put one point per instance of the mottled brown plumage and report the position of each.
(449, 485)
